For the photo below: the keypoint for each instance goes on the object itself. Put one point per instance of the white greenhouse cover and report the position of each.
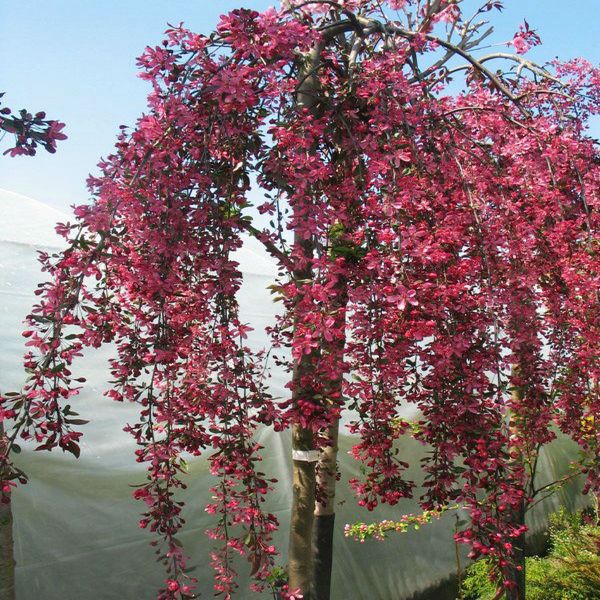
(76, 532)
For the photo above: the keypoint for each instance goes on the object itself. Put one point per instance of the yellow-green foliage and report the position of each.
(571, 571)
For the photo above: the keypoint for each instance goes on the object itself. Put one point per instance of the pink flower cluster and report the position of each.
(30, 131)
(525, 39)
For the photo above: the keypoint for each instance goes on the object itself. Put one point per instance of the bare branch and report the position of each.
(270, 247)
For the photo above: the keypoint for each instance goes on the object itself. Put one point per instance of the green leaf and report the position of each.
(76, 421)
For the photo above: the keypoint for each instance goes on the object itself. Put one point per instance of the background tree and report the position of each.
(427, 241)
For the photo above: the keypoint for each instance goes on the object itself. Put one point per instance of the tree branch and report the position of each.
(368, 25)
(270, 247)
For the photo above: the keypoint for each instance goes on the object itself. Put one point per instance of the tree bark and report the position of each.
(327, 466)
(516, 571)
(300, 549)
(7, 561)
(517, 576)
(300, 563)
(325, 517)
(300, 557)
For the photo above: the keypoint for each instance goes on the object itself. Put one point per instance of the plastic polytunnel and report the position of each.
(76, 524)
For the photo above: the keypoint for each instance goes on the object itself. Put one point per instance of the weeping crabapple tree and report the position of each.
(435, 247)
(29, 131)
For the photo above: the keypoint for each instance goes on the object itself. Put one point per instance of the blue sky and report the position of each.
(75, 59)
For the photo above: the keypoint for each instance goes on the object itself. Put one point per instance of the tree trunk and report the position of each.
(304, 458)
(517, 576)
(7, 561)
(327, 466)
(325, 518)
(300, 549)
(516, 572)
(300, 563)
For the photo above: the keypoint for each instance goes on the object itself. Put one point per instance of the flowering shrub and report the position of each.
(427, 243)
